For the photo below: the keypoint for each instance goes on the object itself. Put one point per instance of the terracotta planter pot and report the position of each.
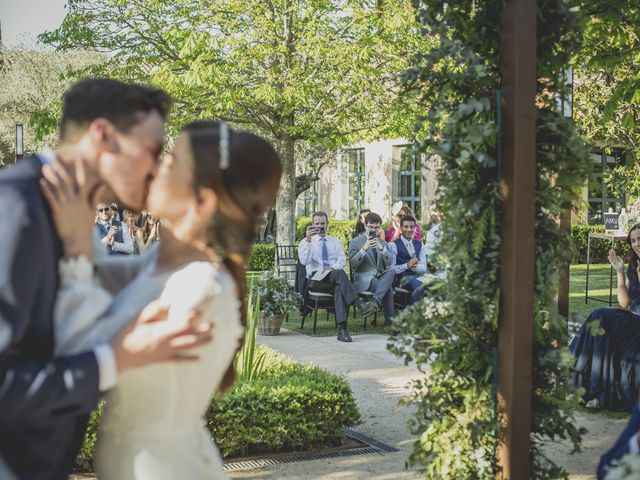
(270, 324)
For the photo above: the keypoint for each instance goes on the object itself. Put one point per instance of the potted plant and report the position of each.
(277, 298)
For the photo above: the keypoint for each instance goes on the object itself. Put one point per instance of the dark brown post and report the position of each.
(517, 250)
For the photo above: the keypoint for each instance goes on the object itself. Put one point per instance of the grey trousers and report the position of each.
(382, 289)
(337, 282)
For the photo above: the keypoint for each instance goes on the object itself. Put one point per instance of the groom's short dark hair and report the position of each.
(123, 104)
(372, 219)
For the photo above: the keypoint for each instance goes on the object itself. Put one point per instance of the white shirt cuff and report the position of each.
(633, 444)
(107, 370)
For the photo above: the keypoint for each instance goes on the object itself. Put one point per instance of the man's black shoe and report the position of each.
(343, 335)
(368, 308)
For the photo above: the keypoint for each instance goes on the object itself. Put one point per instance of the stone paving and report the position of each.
(378, 380)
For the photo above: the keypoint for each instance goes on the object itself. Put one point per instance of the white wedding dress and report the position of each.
(153, 427)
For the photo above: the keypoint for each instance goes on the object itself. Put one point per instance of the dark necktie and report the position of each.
(325, 253)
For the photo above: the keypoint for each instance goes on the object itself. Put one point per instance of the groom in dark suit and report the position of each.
(116, 130)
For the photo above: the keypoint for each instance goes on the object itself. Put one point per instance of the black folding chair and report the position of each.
(318, 297)
(365, 296)
(285, 261)
(401, 297)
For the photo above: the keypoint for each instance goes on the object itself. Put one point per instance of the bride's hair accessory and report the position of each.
(223, 145)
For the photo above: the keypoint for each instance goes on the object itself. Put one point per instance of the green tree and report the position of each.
(31, 86)
(453, 333)
(607, 86)
(323, 71)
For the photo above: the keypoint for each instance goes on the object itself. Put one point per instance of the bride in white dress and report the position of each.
(210, 194)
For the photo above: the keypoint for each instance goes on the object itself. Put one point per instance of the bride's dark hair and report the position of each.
(245, 189)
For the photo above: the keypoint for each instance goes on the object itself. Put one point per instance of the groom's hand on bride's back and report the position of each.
(142, 343)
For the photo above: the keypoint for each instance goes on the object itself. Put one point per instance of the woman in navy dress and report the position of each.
(608, 364)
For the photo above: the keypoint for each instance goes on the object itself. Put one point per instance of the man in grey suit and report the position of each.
(371, 265)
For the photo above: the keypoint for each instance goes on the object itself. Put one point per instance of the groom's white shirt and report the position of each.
(107, 370)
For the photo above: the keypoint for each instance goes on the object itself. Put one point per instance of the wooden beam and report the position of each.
(518, 169)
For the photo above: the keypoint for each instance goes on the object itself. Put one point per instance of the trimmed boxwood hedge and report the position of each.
(599, 248)
(262, 257)
(288, 407)
(341, 229)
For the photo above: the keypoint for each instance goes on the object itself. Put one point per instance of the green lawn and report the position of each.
(598, 287)
(327, 328)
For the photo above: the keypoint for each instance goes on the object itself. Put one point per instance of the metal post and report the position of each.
(565, 270)
(19, 142)
(565, 218)
(517, 263)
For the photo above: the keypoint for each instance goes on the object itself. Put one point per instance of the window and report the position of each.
(354, 157)
(410, 178)
(600, 196)
(308, 200)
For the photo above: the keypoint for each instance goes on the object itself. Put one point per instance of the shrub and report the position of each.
(84, 460)
(289, 406)
(262, 257)
(247, 364)
(341, 229)
(275, 294)
(599, 248)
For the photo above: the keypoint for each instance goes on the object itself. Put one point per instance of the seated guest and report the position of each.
(324, 260)
(359, 228)
(395, 232)
(371, 265)
(433, 234)
(628, 442)
(608, 366)
(409, 259)
(115, 212)
(113, 234)
(150, 232)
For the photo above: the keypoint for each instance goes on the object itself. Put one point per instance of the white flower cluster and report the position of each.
(436, 308)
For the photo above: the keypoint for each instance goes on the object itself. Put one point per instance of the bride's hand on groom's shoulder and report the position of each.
(66, 191)
(142, 343)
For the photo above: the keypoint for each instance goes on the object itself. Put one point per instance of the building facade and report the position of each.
(373, 175)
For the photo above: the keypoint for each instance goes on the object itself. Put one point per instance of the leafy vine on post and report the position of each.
(453, 333)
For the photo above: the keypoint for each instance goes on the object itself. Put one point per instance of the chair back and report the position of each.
(286, 260)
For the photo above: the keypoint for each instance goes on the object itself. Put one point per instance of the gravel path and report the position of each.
(378, 380)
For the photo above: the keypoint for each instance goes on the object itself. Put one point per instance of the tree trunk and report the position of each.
(286, 201)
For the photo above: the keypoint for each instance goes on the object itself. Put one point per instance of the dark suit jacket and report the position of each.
(103, 231)
(44, 401)
(621, 447)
